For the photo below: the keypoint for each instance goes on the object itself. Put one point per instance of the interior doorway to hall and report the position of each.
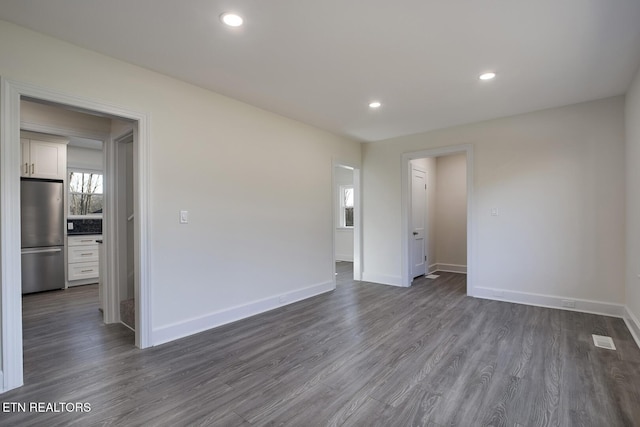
(346, 222)
(437, 215)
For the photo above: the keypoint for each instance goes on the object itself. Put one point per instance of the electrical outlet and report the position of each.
(184, 217)
(282, 299)
(568, 303)
(494, 211)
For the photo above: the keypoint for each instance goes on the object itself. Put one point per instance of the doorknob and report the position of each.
(415, 233)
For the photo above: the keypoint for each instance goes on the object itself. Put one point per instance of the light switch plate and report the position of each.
(69, 226)
(184, 217)
(494, 211)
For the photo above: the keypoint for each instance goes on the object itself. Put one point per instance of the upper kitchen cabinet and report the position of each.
(43, 156)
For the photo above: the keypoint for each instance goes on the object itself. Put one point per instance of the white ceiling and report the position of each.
(323, 61)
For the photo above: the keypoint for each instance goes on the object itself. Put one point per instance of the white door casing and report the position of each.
(418, 220)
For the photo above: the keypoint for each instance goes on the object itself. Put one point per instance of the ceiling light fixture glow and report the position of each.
(375, 104)
(487, 76)
(231, 19)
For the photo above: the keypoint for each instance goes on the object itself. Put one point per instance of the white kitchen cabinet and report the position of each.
(84, 270)
(83, 259)
(45, 157)
(84, 253)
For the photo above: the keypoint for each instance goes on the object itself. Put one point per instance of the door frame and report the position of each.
(425, 240)
(406, 210)
(357, 218)
(11, 91)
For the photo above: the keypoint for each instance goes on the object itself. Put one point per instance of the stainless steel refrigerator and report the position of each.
(42, 219)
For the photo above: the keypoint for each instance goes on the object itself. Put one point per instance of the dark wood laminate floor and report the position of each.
(364, 355)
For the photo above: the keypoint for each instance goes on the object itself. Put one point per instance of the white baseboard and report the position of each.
(449, 268)
(344, 257)
(382, 279)
(2, 389)
(432, 268)
(193, 326)
(633, 324)
(126, 326)
(551, 301)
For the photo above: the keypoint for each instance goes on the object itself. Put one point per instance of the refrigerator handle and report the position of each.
(40, 251)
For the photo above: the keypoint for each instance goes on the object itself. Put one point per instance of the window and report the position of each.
(346, 206)
(85, 193)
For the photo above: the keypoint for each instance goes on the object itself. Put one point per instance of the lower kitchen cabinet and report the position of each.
(83, 260)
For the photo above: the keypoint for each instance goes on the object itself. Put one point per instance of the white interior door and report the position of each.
(418, 220)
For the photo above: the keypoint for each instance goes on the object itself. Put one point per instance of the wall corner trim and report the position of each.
(633, 324)
(551, 301)
(195, 325)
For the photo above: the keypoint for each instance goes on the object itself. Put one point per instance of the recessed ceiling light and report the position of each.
(375, 104)
(231, 19)
(487, 76)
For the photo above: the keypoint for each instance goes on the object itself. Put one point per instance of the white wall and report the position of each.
(632, 156)
(222, 160)
(33, 113)
(432, 174)
(343, 236)
(120, 128)
(84, 158)
(557, 178)
(451, 212)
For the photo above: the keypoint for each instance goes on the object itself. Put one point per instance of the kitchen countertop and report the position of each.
(84, 234)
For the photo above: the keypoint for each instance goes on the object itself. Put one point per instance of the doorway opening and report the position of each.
(422, 234)
(346, 221)
(437, 222)
(76, 303)
(11, 123)
(71, 158)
